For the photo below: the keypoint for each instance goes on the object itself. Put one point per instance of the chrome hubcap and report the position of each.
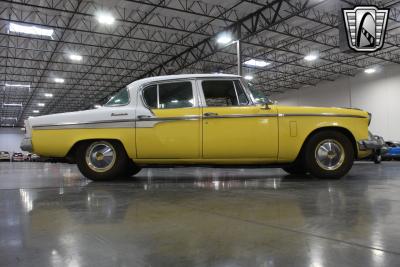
(100, 156)
(329, 154)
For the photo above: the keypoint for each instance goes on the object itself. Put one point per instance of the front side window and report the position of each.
(169, 95)
(119, 99)
(224, 93)
(258, 96)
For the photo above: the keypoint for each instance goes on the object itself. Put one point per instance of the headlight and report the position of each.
(369, 118)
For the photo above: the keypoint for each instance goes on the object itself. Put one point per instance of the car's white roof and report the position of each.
(179, 76)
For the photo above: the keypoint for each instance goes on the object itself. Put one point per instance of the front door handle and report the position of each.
(208, 114)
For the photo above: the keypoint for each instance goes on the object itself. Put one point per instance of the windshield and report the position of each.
(119, 99)
(258, 96)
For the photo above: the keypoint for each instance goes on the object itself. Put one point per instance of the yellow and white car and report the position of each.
(203, 119)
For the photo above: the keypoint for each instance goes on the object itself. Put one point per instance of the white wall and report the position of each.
(10, 139)
(378, 93)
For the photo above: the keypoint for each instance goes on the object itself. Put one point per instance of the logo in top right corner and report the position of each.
(366, 27)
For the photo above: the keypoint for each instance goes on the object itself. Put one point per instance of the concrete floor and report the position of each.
(51, 216)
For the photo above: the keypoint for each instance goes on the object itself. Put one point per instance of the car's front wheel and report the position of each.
(101, 160)
(329, 154)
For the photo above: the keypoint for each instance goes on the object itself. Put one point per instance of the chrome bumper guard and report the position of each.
(26, 145)
(369, 145)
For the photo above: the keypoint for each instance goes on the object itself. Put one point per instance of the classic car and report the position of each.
(4, 156)
(201, 119)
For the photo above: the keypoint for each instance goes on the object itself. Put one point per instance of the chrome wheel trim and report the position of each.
(100, 156)
(329, 154)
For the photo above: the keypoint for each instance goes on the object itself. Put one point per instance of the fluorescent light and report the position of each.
(224, 39)
(30, 29)
(18, 85)
(256, 63)
(12, 104)
(97, 106)
(105, 19)
(370, 70)
(58, 80)
(35, 111)
(41, 104)
(9, 118)
(311, 57)
(248, 77)
(75, 57)
(48, 95)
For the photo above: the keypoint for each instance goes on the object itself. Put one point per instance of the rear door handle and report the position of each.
(119, 114)
(208, 114)
(142, 117)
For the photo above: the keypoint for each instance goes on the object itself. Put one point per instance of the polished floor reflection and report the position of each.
(51, 216)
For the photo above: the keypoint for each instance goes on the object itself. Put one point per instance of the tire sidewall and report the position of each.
(116, 171)
(311, 162)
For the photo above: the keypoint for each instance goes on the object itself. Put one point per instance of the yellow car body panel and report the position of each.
(57, 143)
(171, 138)
(253, 140)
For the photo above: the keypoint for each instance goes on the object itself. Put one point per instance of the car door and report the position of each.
(168, 121)
(233, 126)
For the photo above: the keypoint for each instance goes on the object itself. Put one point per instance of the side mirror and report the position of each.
(265, 106)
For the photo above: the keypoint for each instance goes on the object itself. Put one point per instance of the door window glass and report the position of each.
(223, 93)
(175, 95)
(150, 96)
(169, 95)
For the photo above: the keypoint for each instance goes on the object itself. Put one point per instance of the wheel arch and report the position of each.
(340, 129)
(71, 157)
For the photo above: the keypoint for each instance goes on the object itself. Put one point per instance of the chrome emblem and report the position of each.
(366, 27)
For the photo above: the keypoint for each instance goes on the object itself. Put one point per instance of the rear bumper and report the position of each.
(26, 145)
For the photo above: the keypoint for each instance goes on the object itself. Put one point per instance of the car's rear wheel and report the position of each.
(329, 154)
(101, 160)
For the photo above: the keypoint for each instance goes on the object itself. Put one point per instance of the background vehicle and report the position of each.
(4, 156)
(393, 151)
(379, 150)
(17, 156)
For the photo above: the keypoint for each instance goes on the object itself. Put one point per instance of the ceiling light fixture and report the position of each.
(248, 77)
(311, 57)
(18, 85)
(30, 30)
(48, 95)
(9, 118)
(12, 104)
(75, 57)
(97, 106)
(256, 63)
(35, 111)
(370, 70)
(224, 38)
(59, 80)
(41, 104)
(105, 19)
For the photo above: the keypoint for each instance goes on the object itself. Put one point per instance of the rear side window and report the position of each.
(224, 93)
(169, 95)
(119, 99)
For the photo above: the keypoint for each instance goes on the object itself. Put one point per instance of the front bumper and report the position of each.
(26, 145)
(369, 144)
